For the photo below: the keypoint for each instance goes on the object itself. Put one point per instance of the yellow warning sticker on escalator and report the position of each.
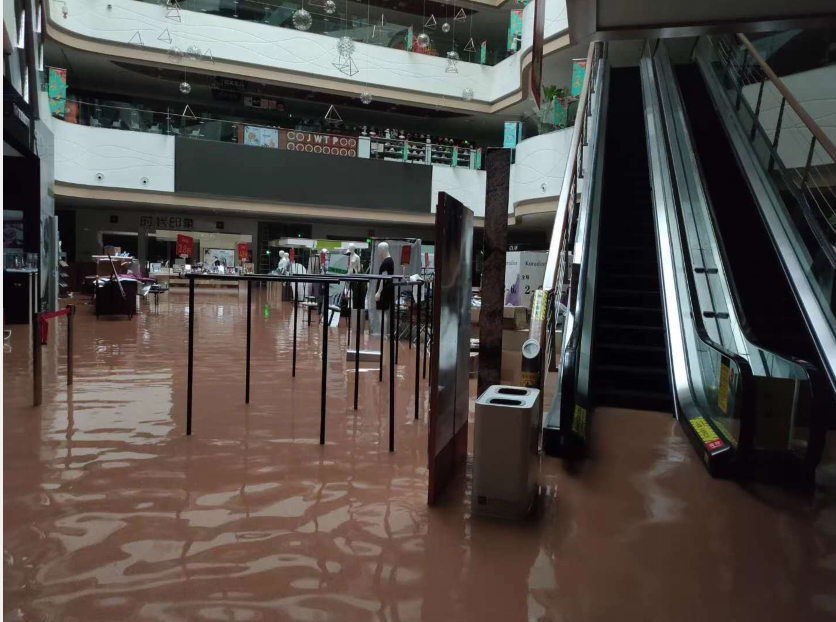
(579, 421)
(706, 433)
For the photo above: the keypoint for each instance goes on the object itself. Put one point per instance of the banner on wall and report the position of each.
(409, 39)
(455, 160)
(578, 73)
(57, 91)
(537, 50)
(479, 159)
(185, 245)
(483, 52)
(561, 111)
(515, 30)
(511, 135)
(261, 136)
(243, 252)
(314, 142)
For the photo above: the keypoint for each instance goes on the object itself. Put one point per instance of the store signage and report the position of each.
(262, 103)
(185, 245)
(230, 84)
(166, 222)
(578, 73)
(313, 142)
(243, 252)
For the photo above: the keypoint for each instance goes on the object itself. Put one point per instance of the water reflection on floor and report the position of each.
(111, 513)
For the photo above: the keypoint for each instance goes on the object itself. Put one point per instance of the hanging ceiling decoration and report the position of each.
(173, 11)
(345, 63)
(366, 97)
(175, 54)
(330, 7)
(332, 116)
(302, 20)
(137, 39)
(461, 16)
(423, 40)
(165, 37)
(467, 94)
(207, 56)
(185, 88)
(471, 46)
(445, 27)
(193, 52)
(454, 55)
(451, 65)
(431, 23)
(345, 46)
(187, 112)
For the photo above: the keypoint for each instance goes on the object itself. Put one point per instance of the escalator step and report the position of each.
(640, 400)
(644, 355)
(634, 316)
(620, 280)
(629, 334)
(629, 376)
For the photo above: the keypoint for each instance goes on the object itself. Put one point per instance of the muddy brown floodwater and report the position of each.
(112, 513)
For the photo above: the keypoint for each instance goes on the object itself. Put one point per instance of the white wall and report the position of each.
(125, 158)
(816, 91)
(286, 49)
(464, 184)
(537, 172)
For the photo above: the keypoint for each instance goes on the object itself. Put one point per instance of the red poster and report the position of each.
(292, 255)
(406, 255)
(185, 245)
(243, 252)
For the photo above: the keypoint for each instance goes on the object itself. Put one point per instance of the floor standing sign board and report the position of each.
(450, 355)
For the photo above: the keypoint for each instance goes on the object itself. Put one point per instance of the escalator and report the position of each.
(767, 303)
(629, 362)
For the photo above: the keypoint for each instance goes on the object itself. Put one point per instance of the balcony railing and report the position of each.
(295, 139)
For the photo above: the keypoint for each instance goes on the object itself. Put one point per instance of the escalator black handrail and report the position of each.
(748, 416)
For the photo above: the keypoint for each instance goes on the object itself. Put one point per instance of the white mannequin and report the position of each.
(353, 260)
(382, 254)
(284, 262)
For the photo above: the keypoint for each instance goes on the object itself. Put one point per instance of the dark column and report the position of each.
(295, 321)
(249, 336)
(191, 359)
(498, 167)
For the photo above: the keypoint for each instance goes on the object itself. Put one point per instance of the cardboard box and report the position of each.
(112, 250)
(511, 369)
(513, 340)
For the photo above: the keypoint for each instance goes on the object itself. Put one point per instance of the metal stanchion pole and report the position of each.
(382, 332)
(70, 344)
(427, 323)
(324, 377)
(249, 335)
(295, 317)
(37, 370)
(411, 321)
(357, 360)
(392, 375)
(398, 320)
(191, 359)
(417, 356)
(350, 296)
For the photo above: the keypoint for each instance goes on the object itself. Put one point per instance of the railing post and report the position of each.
(809, 162)
(356, 358)
(324, 373)
(249, 337)
(37, 383)
(295, 322)
(392, 357)
(757, 110)
(777, 135)
(191, 359)
(70, 344)
(417, 352)
(740, 81)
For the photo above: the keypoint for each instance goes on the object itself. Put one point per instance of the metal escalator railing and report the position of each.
(724, 376)
(798, 159)
(560, 282)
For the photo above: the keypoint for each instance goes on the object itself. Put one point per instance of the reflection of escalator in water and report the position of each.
(768, 306)
(629, 364)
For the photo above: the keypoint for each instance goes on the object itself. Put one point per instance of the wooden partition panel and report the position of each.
(449, 357)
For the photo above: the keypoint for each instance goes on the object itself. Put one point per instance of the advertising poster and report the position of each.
(561, 110)
(314, 142)
(515, 30)
(185, 245)
(483, 52)
(219, 257)
(243, 252)
(509, 139)
(578, 73)
(261, 136)
(57, 91)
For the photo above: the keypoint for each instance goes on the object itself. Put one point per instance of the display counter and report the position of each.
(178, 284)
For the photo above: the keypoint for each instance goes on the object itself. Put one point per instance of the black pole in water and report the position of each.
(249, 334)
(398, 320)
(191, 359)
(350, 296)
(411, 313)
(70, 344)
(37, 369)
(324, 374)
(295, 316)
(391, 376)
(357, 359)
(417, 354)
(382, 332)
(426, 334)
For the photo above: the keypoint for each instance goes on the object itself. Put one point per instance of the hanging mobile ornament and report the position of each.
(467, 94)
(302, 20)
(366, 97)
(423, 40)
(185, 88)
(445, 27)
(330, 7)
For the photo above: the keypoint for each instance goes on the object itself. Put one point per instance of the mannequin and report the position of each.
(353, 260)
(284, 263)
(385, 291)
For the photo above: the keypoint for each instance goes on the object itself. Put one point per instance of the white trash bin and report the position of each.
(505, 455)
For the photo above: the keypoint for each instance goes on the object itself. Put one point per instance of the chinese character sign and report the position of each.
(578, 73)
(185, 245)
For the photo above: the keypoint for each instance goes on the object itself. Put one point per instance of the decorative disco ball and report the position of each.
(175, 54)
(366, 97)
(193, 52)
(64, 11)
(453, 55)
(345, 46)
(302, 20)
(423, 39)
(467, 94)
(445, 27)
(330, 7)
(185, 88)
